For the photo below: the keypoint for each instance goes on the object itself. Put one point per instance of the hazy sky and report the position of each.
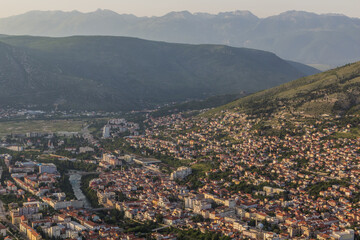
(261, 8)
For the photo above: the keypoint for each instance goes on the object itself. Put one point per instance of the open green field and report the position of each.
(353, 134)
(25, 126)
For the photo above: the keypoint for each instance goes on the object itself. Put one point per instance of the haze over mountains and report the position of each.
(119, 73)
(300, 36)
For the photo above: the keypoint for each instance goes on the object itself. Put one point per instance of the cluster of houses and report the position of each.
(144, 195)
(116, 127)
(308, 153)
(42, 210)
(298, 179)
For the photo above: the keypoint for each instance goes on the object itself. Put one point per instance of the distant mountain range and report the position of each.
(328, 39)
(120, 73)
(335, 92)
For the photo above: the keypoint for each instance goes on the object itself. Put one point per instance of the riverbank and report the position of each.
(75, 181)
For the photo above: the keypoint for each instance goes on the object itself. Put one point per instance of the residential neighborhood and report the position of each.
(225, 175)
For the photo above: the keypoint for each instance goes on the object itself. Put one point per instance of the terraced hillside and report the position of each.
(333, 92)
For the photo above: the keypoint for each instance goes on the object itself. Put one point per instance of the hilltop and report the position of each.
(120, 73)
(326, 39)
(336, 91)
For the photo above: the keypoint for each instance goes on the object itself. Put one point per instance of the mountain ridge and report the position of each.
(129, 73)
(300, 36)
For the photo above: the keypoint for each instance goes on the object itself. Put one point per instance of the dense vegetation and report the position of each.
(88, 192)
(12, 198)
(192, 234)
(118, 73)
(65, 186)
(315, 189)
(210, 102)
(64, 166)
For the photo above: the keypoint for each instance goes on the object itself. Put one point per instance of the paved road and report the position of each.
(3, 218)
(87, 135)
(3, 213)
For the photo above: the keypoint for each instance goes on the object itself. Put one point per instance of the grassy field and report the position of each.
(10, 127)
(202, 167)
(353, 134)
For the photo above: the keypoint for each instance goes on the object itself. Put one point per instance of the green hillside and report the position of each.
(195, 105)
(119, 73)
(333, 92)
